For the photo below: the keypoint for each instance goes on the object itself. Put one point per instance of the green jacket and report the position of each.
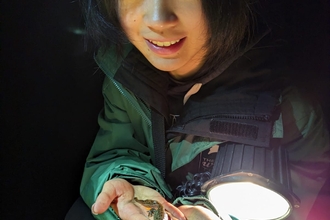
(124, 144)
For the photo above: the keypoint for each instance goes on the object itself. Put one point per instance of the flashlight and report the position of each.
(250, 182)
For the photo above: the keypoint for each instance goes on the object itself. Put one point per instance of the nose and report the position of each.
(159, 15)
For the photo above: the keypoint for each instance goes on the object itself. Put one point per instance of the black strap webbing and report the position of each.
(158, 135)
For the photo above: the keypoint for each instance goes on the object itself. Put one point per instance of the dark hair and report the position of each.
(229, 22)
(102, 24)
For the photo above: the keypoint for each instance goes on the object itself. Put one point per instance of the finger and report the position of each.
(174, 211)
(112, 190)
(104, 199)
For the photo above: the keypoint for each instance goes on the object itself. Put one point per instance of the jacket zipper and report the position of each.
(138, 109)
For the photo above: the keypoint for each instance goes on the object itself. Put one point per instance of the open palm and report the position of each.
(120, 194)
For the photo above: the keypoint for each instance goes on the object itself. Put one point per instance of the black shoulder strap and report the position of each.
(158, 135)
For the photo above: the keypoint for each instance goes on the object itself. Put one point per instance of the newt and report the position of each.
(154, 208)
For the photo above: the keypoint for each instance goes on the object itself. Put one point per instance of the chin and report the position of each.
(165, 66)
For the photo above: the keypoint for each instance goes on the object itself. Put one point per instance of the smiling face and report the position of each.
(171, 34)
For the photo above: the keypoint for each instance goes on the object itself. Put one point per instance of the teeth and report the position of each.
(165, 43)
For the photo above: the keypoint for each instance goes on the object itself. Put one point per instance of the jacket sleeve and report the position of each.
(307, 139)
(122, 148)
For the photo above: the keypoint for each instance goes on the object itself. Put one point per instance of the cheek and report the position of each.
(129, 14)
(128, 23)
(202, 33)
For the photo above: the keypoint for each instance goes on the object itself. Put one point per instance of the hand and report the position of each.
(120, 194)
(198, 212)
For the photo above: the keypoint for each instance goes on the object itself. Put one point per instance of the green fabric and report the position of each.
(124, 147)
(110, 62)
(304, 131)
(185, 151)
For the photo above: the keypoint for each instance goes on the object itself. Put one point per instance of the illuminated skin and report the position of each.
(171, 34)
(120, 194)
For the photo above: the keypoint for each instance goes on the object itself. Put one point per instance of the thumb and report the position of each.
(111, 190)
(102, 203)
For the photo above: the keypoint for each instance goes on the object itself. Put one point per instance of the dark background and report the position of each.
(50, 98)
(51, 95)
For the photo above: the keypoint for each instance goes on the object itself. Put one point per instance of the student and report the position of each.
(163, 59)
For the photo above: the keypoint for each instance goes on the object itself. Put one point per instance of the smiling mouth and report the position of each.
(164, 43)
(165, 48)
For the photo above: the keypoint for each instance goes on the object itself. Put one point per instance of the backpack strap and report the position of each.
(158, 135)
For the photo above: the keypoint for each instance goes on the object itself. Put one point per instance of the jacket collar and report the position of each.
(109, 61)
(134, 72)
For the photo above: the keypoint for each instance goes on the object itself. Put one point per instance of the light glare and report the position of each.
(246, 201)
